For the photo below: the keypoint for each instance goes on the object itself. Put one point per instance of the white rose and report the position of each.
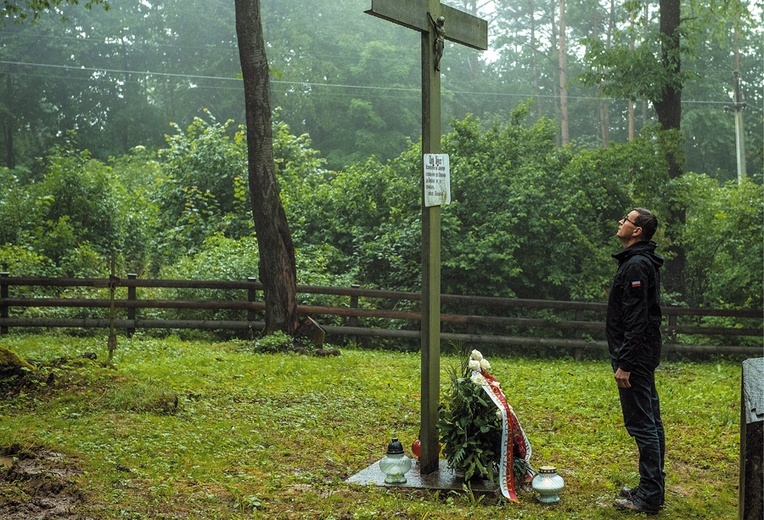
(485, 365)
(474, 365)
(476, 355)
(478, 380)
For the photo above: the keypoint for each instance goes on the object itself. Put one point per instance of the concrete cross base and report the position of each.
(444, 478)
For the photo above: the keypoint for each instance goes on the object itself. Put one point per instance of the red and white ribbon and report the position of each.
(512, 435)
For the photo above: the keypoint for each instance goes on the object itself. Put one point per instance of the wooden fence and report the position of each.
(355, 312)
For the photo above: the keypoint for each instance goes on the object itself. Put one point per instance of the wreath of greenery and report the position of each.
(470, 427)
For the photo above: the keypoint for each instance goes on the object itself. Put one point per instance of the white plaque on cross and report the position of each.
(437, 179)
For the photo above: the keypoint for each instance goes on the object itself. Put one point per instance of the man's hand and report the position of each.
(622, 378)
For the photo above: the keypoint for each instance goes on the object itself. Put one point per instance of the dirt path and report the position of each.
(38, 485)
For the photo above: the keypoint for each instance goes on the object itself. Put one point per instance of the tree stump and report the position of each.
(311, 331)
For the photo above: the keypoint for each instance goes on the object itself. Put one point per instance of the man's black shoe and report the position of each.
(636, 504)
(627, 492)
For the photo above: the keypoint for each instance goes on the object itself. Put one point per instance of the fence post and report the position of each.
(4, 302)
(131, 296)
(353, 321)
(670, 351)
(470, 324)
(251, 298)
(579, 334)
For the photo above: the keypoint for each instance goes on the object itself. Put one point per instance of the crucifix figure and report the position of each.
(430, 18)
(440, 37)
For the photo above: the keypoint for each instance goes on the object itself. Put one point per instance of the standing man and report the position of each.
(634, 339)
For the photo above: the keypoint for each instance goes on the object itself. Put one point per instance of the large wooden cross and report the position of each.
(436, 23)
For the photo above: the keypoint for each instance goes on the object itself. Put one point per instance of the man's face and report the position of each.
(627, 227)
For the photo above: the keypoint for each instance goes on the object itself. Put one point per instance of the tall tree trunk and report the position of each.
(10, 153)
(564, 130)
(534, 61)
(473, 59)
(278, 272)
(9, 126)
(632, 43)
(124, 130)
(604, 104)
(669, 106)
(669, 109)
(646, 32)
(553, 44)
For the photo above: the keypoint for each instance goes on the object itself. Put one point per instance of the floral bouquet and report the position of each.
(479, 431)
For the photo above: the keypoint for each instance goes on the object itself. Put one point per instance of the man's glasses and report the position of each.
(627, 219)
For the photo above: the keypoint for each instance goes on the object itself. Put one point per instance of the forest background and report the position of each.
(123, 148)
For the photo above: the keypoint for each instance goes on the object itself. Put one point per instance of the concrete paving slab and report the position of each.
(444, 479)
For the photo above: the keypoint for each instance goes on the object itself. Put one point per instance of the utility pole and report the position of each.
(738, 108)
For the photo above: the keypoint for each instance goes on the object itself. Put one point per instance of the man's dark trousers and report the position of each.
(642, 418)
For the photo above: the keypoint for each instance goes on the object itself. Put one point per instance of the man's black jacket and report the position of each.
(633, 319)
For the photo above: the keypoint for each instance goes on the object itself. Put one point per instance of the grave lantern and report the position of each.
(395, 464)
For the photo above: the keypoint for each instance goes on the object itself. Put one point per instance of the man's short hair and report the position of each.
(647, 221)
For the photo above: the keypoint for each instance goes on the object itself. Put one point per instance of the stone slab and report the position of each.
(444, 479)
(750, 501)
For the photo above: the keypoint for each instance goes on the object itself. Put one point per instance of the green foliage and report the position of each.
(361, 97)
(507, 196)
(278, 342)
(15, 206)
(204, 188)
(470, 427)
(527, 219)
(297, 163)
(640, 63)
(357, 92)
(81, 260)
(626, 73)
(218, 258)
(724, 240)
(24, 9)
(82, 215)
(140, 173)
(23, 261)
(78, 203)
(360, 213)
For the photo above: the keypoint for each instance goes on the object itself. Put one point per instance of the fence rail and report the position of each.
(358, 312)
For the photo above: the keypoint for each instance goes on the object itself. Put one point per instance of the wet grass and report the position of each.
(194, 429)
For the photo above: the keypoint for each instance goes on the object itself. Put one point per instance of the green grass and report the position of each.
(276, 436)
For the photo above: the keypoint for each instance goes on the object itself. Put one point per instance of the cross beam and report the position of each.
(462, 28)
(436, 23)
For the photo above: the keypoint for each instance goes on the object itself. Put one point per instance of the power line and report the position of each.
(308, 84)
(102, 41)
(119, 71)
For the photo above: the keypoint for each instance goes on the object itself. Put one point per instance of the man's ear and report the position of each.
(637, 232)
